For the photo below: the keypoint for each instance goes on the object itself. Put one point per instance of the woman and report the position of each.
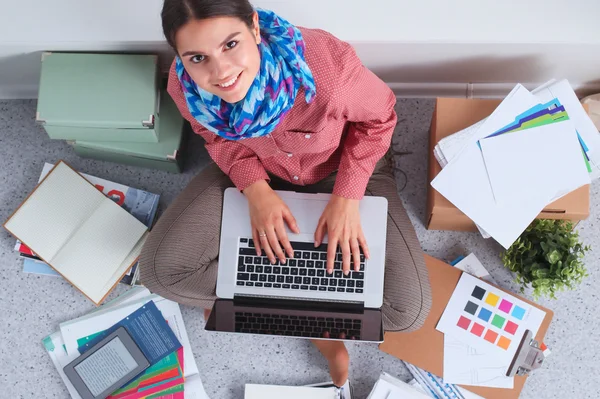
(287, 108)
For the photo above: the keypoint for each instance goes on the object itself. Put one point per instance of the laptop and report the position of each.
(299, 298)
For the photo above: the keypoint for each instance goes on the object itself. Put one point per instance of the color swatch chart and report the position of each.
(488, 318)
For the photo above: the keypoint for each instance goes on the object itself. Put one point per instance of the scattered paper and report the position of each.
(465, 183)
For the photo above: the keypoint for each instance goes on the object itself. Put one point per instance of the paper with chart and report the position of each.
(563, 92)
(488, 319)
(536, 164)
(464, 364)
(465, 183)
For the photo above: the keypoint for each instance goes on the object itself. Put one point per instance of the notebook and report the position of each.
(256, 391)
(88, 239)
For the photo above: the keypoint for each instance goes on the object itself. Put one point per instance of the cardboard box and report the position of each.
(424, 348)
(99, 97)
(452, 115)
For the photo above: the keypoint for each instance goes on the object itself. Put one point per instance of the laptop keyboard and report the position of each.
(306, 271)
(297, 326)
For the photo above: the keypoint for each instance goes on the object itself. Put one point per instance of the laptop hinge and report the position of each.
(298, 303)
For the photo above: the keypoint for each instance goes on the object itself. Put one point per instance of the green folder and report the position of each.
(164, 155)
(99, 97)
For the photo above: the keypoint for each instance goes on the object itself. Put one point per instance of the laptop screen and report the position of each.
(298, 319)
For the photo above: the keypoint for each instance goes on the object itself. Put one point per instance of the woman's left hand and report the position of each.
(341, 221)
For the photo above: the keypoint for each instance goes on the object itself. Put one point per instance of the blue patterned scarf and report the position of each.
(283, 70)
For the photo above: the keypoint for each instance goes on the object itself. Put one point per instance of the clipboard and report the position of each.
(425, 347)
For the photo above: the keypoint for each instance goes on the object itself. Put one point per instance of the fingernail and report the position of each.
(316, 244)
(330, 271)
(272, 261)
(347, 272)
(283, 262)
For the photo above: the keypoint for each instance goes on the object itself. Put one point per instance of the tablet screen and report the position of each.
(106, 366)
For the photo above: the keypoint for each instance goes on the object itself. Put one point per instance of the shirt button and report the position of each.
(296, 177)
(307, 136)
(289, 155)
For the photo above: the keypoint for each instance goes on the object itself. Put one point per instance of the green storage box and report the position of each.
(164, 155)
(99, 97)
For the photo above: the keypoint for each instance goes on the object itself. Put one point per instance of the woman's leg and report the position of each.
(179, 260)
(337, 356)
(407, 293)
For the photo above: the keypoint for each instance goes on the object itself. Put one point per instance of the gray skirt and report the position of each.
(180, 258)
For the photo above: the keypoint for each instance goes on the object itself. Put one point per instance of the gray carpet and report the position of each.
(32, 306)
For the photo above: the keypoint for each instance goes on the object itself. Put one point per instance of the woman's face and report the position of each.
(221, 55)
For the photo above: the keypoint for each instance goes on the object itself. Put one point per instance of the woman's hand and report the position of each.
(267, 215)
(341, 221)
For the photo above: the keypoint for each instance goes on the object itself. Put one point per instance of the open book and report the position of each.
(83, 235)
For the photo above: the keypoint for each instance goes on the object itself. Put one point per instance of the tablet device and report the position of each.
(107, 366)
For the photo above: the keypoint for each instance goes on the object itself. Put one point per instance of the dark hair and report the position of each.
(176, 13)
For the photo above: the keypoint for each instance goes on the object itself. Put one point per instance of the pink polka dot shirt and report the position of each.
(348, 127)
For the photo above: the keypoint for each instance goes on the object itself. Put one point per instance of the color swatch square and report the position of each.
(463, 323)
(478, 292)
(484, 314)
(505, 306)
(498, 321)
(477, 329)
(518, 312)
(471, 308)
(490, 336)
(511, 327)
(503, 342)
(492, 299)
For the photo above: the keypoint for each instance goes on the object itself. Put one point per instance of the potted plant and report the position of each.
(548, 256)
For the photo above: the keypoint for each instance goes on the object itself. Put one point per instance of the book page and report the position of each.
(123, 267)
(54, 211)
(106, 238)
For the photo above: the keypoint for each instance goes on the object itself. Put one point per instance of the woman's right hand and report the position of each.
(267, 215)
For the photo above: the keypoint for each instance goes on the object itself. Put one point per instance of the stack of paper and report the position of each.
(163, 380)
(533, 149)
(388, 387)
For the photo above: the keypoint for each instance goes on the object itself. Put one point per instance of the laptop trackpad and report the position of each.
(307, 213)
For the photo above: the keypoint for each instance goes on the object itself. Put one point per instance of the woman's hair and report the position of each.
(176, 13)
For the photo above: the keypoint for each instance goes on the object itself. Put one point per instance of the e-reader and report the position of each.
(107, 366)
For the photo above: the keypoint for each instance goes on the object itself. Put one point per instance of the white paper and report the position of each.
(536, 164)
(531, 320)
(473, 266)
(466, 365)
(563, 91)
(386, 389)
(255, 391)
(465, 182)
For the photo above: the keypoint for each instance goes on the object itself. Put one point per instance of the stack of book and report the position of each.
(141, 204)
(110, 107)
(174, 376)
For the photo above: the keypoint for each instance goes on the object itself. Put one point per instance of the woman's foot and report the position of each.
(337, 356)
